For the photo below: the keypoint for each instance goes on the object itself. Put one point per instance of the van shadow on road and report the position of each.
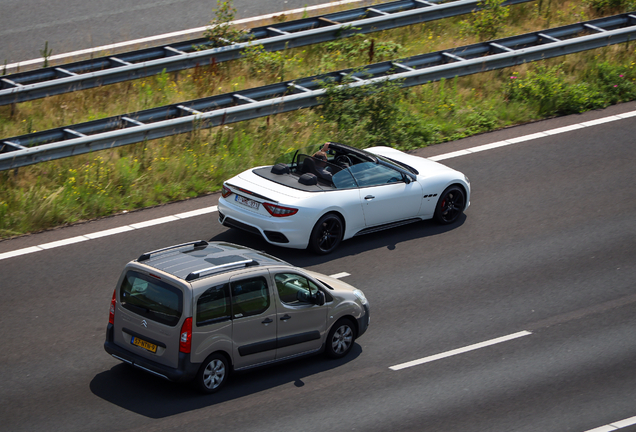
(153, 397)
(388, 239)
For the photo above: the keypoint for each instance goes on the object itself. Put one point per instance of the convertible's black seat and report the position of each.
(309, 166)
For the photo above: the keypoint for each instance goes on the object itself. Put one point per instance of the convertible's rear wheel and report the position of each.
(327, 234)
(451, 205)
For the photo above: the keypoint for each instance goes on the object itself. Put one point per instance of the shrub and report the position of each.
(610, 6)
(487, 22)
(219, 30)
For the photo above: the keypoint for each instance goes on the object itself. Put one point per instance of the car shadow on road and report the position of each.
(153, 397)
(387, 239)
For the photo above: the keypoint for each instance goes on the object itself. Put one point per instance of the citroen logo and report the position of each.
(144, 323)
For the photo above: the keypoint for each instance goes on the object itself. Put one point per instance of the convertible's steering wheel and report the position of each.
(343, 160)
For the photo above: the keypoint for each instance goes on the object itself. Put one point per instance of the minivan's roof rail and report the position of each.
(197, 243)
(220, 268)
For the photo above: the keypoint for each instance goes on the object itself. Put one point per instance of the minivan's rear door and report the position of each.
(148, 318)
(254, 319)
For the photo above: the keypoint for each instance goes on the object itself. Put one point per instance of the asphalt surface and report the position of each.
(548, 246)
(71, 25)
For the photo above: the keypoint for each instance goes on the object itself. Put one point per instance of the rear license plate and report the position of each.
(143, 344)
(247, 202)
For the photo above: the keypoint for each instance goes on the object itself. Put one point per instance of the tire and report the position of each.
(327, 234)
(450, 206)
(340, 339)
(213, 374)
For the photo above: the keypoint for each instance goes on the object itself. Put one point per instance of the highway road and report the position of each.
(72, 25)
(545, 258)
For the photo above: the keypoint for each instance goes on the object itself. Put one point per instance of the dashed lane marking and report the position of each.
(615, 426)
(460, 350)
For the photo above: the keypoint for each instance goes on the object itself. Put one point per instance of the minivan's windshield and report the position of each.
(151, 298)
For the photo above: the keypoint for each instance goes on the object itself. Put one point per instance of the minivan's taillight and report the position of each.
(113, 303)
(225, 192)
(185, 338)
(279, 211)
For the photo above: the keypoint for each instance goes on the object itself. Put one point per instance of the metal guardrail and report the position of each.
(304, 93)
(25, 86)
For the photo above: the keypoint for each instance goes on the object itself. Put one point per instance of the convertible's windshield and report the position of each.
(398, 164)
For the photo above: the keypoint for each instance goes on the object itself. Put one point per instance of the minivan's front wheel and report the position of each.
(340, 339)
(213, 373)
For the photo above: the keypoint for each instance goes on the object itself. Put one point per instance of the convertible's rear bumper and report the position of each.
(288, 232)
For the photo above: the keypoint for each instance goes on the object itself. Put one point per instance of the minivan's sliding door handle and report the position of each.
(267, 321)
(285, 317)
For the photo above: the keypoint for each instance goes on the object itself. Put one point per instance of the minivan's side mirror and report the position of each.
(319, 298)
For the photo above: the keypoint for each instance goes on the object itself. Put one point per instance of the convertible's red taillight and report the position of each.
(279, 211)
(113, 303)
(185, 338)
(225, 192)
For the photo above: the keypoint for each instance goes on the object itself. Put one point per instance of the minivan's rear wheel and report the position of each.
(213, 373)
(327, 234)
(450, 205)
(340, 339)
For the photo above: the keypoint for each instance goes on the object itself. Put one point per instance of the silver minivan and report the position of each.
(198, 311)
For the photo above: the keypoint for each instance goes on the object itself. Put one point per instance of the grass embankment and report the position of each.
(146, 174)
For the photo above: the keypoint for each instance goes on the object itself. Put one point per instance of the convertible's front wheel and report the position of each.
(327, 234)
(450, 206)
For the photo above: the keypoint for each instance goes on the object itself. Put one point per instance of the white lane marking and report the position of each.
(64, 242)
(533, 136)
(19, 252)
(460, 350)
(340, 275)
(213, 209)
(108, 232)
(198, 212)
(106, 48)
(153, 222)
(615, 426)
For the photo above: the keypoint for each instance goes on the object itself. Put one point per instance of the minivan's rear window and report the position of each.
(151, 298)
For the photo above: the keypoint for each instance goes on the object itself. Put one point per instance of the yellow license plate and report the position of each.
(142, 343)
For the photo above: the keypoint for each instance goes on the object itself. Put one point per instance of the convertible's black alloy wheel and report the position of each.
(327, 234)
(213, 373)
(450, 205)
(340, 339)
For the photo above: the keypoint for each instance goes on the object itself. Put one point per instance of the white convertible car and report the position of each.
(306, 201)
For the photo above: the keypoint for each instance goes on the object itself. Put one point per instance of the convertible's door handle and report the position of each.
(285, 317)
(369, 197)
(267, 321)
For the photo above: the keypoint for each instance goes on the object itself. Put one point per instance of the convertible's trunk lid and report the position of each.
(273, 191)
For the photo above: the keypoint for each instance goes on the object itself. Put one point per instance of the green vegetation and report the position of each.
(151, 173)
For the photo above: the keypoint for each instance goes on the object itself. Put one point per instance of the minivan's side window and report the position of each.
(250, 296)
(214, 305)
(151, 298)
(294, 288)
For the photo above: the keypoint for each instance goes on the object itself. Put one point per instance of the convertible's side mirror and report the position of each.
(319, 298)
